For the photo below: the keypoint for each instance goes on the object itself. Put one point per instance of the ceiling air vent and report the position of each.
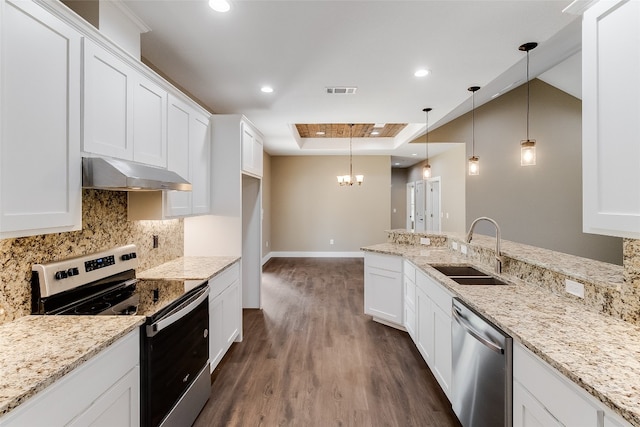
(342, 90)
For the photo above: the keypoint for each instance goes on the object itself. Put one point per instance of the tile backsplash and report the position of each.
(104, 225)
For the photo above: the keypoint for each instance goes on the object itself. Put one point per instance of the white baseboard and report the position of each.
(358, 254)
(266, 258)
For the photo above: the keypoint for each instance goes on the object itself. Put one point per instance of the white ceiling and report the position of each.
(299, 47)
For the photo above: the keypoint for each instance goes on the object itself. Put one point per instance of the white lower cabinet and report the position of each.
(544, 397)
(383, 289)
(433, 312)
(528, 412)
(104, 391)
(410, 320)
(225, 313)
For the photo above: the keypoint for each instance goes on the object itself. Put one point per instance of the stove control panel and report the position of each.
(59, 276)
(102, 262)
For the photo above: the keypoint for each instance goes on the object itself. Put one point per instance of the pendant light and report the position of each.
(349, 179)
(426, 170)
(528, 146)
(474, 161)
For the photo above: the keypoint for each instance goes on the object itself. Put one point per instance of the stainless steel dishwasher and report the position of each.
(482, 370)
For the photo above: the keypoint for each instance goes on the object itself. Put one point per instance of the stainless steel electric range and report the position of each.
(174, 347)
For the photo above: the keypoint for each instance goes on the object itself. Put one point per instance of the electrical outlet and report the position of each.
(155, 241)
(574, 288)
(425, 241)
(267, 243)
(331, 241)
(463, 249)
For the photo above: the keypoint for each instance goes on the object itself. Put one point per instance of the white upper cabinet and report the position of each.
(188, 155)
(108, 103)
(149, 122)
(40, 165)
(610, 112)
(252, 147)
(200, 163)
(189, 141)
(125, 112)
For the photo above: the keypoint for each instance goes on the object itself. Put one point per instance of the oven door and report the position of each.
(175, 362)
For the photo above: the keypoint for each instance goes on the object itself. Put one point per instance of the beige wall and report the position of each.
(308, 207)
(450, 167)
(398, 198)
(539, 205)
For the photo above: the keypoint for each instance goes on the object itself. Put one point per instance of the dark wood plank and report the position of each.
(312, 357)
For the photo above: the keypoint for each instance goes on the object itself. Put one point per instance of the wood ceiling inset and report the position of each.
(341, 130)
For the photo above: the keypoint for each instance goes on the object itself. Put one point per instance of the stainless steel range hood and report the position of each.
(113, 174)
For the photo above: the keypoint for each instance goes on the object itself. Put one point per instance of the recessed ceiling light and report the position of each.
(379, 125)
(421, 72)
(320, 132)
(266, 89)
(396, 164)
(220, 5)
(375, 132)
(414, 154)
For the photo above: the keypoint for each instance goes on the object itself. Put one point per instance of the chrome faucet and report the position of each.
(499, 257)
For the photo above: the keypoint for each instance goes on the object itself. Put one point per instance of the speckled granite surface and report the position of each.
(35, 351)
(189, 268)
(104, 225)
(600, 353)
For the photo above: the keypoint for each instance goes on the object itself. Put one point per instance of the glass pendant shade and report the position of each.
(528, 152)
(426, 171)
(474, 165)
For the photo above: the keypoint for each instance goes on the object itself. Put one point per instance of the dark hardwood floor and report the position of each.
(311, 357)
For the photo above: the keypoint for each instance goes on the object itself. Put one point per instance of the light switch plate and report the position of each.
(454, 245)
(574, 288)
(463, 249)
(425, 241)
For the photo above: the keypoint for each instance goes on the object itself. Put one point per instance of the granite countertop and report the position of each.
(599, 353)
(189, 268)
(36, 351)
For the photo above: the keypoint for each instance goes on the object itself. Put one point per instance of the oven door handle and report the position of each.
(477, 335)
(156, 327)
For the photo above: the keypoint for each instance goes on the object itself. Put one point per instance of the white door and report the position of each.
(411, 206)
(419, 206)
(432, 216)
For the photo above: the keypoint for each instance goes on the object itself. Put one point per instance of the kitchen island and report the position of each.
(597, 352)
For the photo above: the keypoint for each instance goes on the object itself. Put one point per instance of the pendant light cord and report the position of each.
(427, 134)
(350, 154)
(473, 123)
(527, 95)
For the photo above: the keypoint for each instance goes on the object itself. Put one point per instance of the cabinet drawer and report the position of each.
(409, 271)
(436, 292)
(384, 262)
(556, 393)
(222, 281)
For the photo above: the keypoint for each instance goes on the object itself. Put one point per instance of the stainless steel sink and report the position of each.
(467, 275)
(478, 280)
(458, 270)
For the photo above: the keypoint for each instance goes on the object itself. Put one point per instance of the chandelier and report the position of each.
(349, 179)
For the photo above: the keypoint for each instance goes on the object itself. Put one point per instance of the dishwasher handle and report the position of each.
(477, 335)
